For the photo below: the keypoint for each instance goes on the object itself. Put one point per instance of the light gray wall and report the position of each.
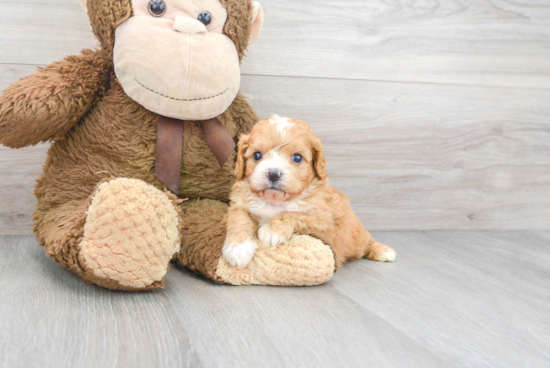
(434, 114)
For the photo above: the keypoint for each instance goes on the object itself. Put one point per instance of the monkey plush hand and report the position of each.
(142, 159)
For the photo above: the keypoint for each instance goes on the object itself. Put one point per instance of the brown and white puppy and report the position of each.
(282, 188)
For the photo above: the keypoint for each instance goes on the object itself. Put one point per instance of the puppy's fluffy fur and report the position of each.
(282, 189)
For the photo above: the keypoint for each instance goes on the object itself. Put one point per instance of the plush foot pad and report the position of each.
(381, 253)
(130, 236)
(302, 261)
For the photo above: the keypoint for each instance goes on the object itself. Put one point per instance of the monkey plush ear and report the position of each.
(257, 21)
(84, 5)
(240, 166)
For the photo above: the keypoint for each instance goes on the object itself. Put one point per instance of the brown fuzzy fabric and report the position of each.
(239, 20)
(105, 17)
(203, 235)
(46, 105)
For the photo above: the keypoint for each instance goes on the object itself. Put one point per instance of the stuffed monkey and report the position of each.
(143, 131)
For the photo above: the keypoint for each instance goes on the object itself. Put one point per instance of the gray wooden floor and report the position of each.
(479, 299)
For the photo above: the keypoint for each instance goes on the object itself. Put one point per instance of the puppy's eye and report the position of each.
(297, 158)
(205, 18)
(257, 156)
(157, 8)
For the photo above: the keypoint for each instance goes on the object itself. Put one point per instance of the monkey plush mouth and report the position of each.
(180, 99)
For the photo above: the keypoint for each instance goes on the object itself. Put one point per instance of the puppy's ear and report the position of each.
(240, 166)
(319, 162)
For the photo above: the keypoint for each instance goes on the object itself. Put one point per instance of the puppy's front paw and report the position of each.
(239, 254)
(271, 236)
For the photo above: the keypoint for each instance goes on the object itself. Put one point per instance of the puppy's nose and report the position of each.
(273, 176)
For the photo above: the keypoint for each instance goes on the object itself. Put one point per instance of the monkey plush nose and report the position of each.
(187, 25)
(273, 176)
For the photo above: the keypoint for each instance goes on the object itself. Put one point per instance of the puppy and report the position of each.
(282, 188)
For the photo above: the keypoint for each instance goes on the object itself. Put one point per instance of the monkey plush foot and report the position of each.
(130, 236)
(302, 261)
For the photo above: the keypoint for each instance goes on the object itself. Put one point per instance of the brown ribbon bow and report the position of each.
(170, 147)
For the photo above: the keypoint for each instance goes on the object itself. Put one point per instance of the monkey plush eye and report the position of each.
(257, 156)
(297, 158)
(205, 18)
(157, 8)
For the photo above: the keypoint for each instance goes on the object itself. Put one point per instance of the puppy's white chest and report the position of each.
(266, 211)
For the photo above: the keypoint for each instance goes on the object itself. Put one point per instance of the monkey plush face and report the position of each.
(174, 57)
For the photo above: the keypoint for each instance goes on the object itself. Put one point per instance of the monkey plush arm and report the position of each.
(47, 104)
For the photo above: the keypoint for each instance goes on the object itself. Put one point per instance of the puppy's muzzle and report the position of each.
(274, 175)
